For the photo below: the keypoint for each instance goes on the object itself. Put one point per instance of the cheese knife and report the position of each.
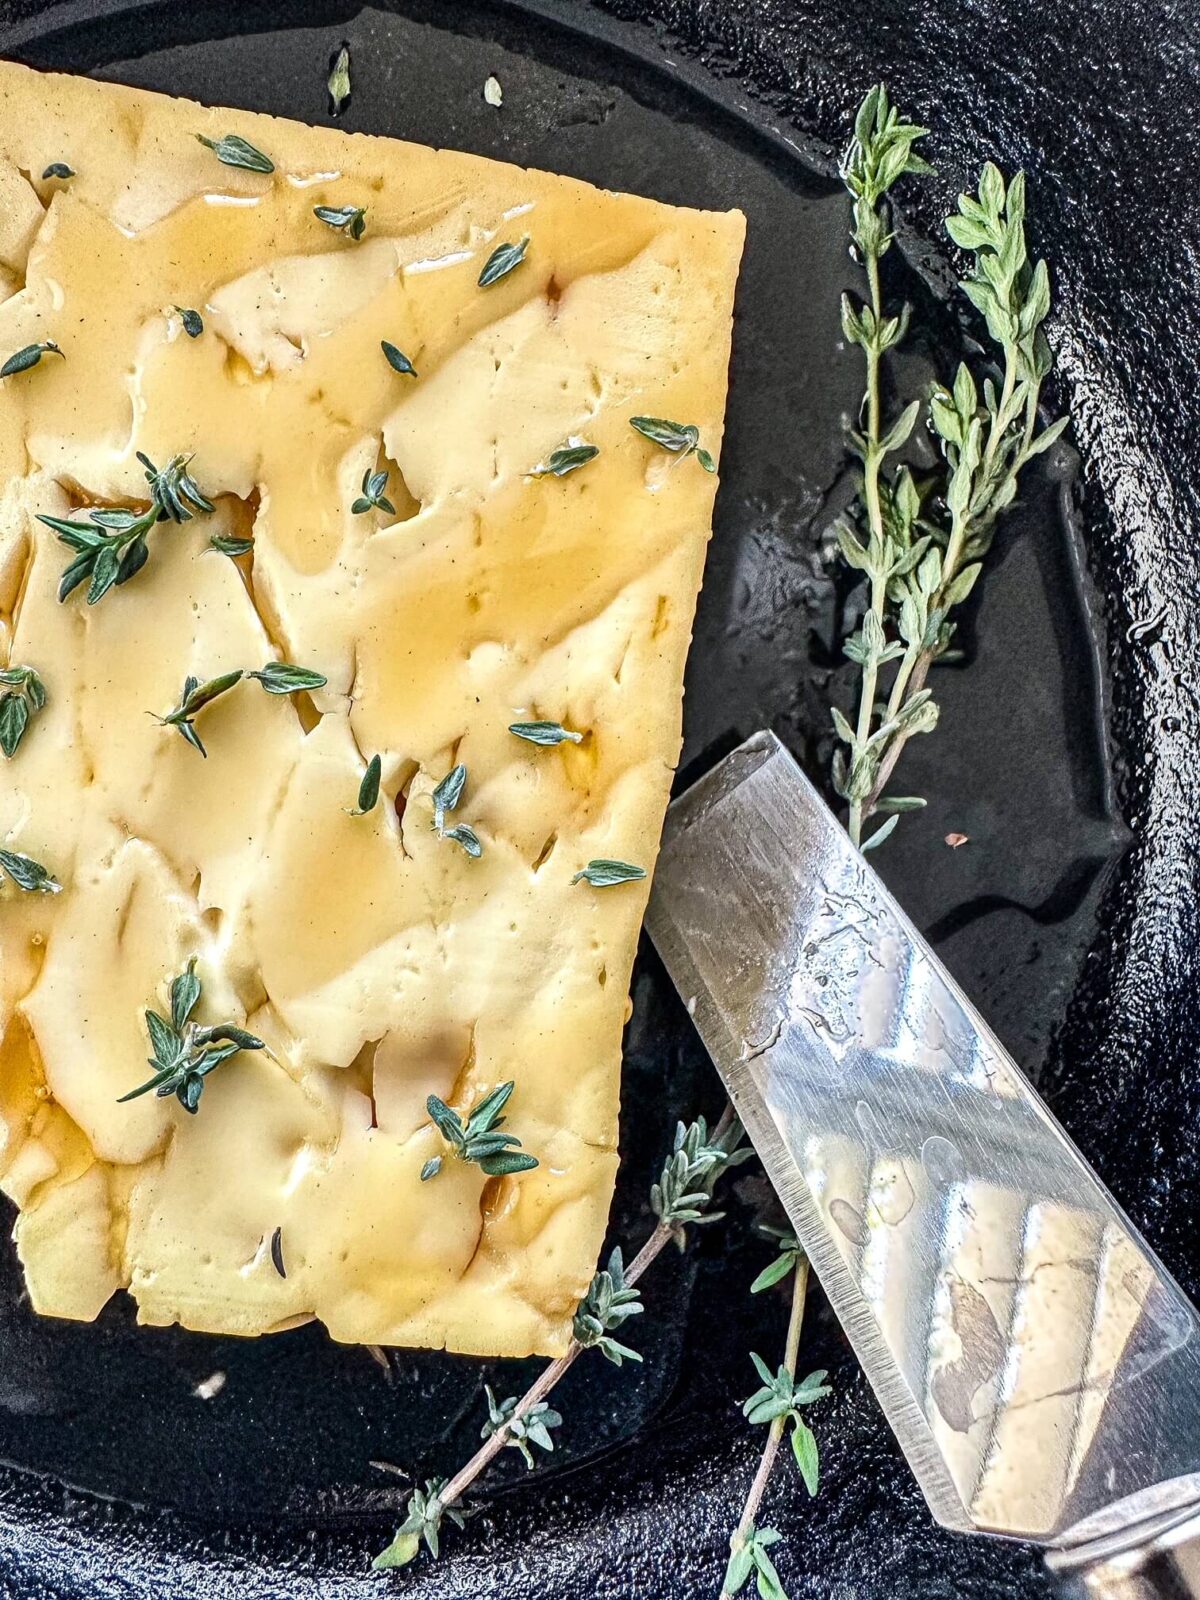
(1037, 1363)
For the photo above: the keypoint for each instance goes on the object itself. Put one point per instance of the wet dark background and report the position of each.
(1076, 935)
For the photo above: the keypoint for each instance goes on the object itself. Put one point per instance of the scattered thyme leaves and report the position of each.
(22, 360)
(23, 696)
(368, 789)
(545, 733)
(478, 1138)
(445, 798)
(234, 151)
(372, 497)
(338, 82)
(195, 697)
(532, 1427)
(604, 874)
(28, 874)
(185, 1051)
(350, 220)
(505, 258)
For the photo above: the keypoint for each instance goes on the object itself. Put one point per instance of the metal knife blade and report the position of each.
(1033, 1356)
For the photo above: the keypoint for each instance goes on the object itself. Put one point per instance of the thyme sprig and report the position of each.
(445, 798)
(372, 497)
(24, 695)
(478, 1137)
(111, 546)
(611, 1300)
(185, 1051)
(920, 550)
(608, 1300)
(532, 1427)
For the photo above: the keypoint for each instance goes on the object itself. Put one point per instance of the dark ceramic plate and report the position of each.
(1067, 752)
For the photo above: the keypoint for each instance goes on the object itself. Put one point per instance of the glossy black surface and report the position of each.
(1081, 950)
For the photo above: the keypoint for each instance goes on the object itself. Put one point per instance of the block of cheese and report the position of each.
(377, 959)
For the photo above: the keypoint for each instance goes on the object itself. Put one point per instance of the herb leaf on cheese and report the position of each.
(478, 1139)
(281, 677)
(350, 220)
(368, 789)
(58, 169)
(373, 497)
(610, 1301)
(193, 322)
(545, 733)
(447, 794)
(111, 546)
(425, 1512)
(520, 1432)
(28, 874)
(603, 873)
(567, 458)
(22, 360)
(23, 697)
(681, 439)
(505, 258)
(277, 1252)
(185, 1051)
(397, 359)
(339, 81)
(195, 697)
(234, 151)
(227, 545)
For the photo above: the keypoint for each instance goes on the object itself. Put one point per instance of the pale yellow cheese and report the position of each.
(379, 962)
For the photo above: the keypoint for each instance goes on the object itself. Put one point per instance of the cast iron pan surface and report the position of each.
(1067, 752)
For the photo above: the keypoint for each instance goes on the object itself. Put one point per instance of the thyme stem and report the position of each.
(741, 1534)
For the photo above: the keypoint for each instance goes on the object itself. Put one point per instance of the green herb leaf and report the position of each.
(431, 1168)
(277, 1252)
(58, 169)
(373, 497)
(351, 220)
(22, 360)
(368, 789)
(27, 873)
(195, 697)
(683, 1193)
(185, 1053)
(469, 840)
(492, 91)
(677, 437)
(193, 322)
(448, 793)
(505, 258)
(804, 1447)
(478, 1138)
(567, 458)
(23, 696)
(425, 1516)
(609, 1302)
(185, 995)
(545, 733)
(229, 546)
(234, 151)
(397, 359)
(883, 832)
(532, 1427)
(280, 677)
(604, 874)
(339, 81)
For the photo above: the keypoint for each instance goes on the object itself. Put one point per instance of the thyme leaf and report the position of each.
(604, 874)
(339, 81)
(185, 1051)
(467, 838)
(683, 1192)
(58, 169)
(448, 793)
(350, 220)
(281, 677)
(195, 697)
(28, 874)
(372, 497)
(227, 545)
(493, 93)
(505, 258)
(193, 322)
(23, 696)
(609, 1301)
(478, 1138)
(425, 1515)
(234, 151)
(22, 360)
(531, 1427)
(368, 789)
(680, 439)
(567, 458)
(277, 1252)
(397, 359)
(545, 733)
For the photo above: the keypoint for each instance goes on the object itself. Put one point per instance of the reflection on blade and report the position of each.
(1032, 1354)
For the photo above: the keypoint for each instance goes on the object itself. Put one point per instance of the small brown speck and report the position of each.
(954, 840)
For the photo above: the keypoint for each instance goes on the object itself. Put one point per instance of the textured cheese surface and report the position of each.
(377, 960)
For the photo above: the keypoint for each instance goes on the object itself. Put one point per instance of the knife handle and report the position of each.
(1144, 1548)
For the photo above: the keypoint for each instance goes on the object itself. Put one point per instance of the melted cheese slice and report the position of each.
(377, 960)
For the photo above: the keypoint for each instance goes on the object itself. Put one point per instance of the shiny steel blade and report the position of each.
(1033, 1356)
